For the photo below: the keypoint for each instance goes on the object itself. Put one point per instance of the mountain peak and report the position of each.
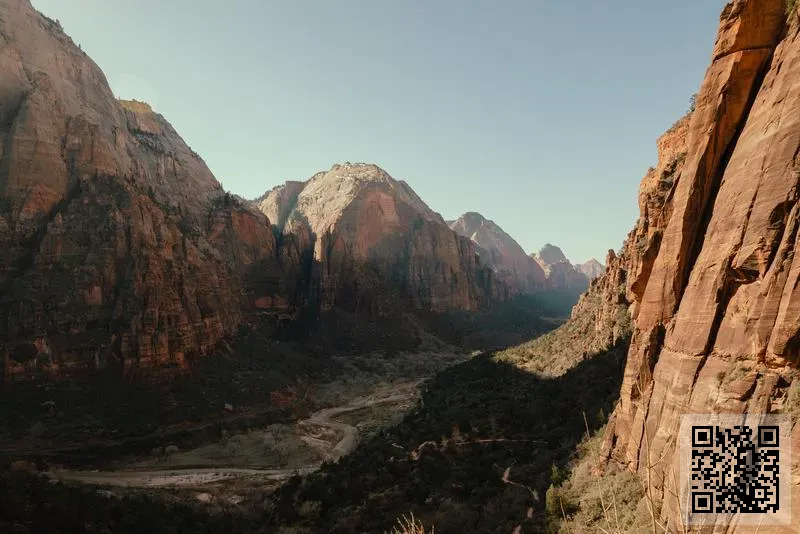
(323, 198)
(591, 268)
(550, 254)
(500, 250)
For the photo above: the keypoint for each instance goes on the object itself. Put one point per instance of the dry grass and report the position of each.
(410, 525)
(611, 502)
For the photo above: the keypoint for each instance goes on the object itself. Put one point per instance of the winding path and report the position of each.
(325, 418)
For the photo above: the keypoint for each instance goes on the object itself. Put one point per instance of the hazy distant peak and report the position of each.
(591, 268)
(550, 254)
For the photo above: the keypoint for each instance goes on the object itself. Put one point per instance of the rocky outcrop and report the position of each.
(121, 250)
(561, 275)
(591, 269)
(713, 274)
(500, 251)
(376, 245)
(605, 303)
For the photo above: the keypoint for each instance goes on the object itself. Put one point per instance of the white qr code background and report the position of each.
(735, 466)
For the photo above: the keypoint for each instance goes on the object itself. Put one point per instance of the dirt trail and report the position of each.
(325, 419)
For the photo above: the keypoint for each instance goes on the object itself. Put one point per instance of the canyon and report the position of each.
(125, 257)
(126, 260)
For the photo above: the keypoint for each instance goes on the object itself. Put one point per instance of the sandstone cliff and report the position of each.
(499, 250)
(712, 276)
(120, 248)
(376, 245)
(560, 273)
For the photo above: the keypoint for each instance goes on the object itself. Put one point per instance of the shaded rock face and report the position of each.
(499, 250)
(591, 269)
(121, 250)
(712, 276)
(559, 272)
(376, 245)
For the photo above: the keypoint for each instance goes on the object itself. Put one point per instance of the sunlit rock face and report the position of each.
(712, 277)
(364, 229)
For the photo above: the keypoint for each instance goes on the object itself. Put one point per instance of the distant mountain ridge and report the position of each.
(548, 269)
(501, 252)
(560, 273)
(592, 268)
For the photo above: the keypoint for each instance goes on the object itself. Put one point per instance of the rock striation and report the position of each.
(712, 274)
(376, 245)
(499, 250)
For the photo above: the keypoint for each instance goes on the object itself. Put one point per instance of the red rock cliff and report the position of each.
(712, 276)
(374, 240)
(120, 247)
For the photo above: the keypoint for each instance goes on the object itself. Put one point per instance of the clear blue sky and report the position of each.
(540, 114)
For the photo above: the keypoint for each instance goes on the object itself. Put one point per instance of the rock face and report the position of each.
(376, 245)
(560, 273)
(713, 278)
(591, 269)
(121, 250)
(499, 250)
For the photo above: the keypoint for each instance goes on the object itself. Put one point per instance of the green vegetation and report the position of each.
(476, 456)
(555, 352)
(504, 324)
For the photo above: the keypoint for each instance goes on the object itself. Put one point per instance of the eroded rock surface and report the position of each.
(712, 270)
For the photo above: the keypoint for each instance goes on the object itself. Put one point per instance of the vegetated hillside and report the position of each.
(598, 321)
(447, 462)
(475, 456)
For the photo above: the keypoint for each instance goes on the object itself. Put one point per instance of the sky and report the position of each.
(540, 114)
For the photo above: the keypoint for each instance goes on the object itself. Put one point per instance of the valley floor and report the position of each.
(262, 458)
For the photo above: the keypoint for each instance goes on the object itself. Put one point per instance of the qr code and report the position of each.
(734, 466)
(734, 471)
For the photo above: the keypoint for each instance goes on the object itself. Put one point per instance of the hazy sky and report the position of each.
(540, 114)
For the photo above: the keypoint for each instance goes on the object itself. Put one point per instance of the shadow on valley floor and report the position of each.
(96, 419)
(473, 458)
